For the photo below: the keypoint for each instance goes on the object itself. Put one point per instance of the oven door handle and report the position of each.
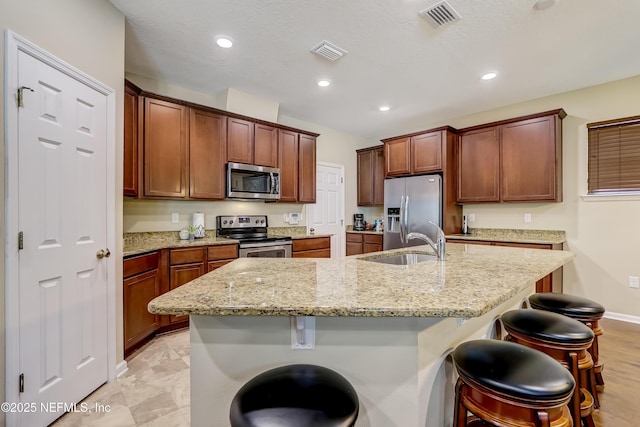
(269, 245)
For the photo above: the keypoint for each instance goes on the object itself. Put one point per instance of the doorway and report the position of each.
(326, 216)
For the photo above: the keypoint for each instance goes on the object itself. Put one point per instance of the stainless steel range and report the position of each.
(251, 232)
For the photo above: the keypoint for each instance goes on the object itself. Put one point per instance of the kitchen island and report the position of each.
(388, 329)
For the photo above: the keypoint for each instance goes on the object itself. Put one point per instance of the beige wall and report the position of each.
(604, 235)
(90, 36)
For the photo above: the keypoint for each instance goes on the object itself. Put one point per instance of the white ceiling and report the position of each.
(395, 56)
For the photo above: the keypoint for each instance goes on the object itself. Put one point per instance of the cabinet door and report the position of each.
(529, 160)
(239, 140)
(397, 157)
(133, 112)
(479, 166)
(138, 291)
(365, 178)
(426, 153)
(181, 274)
(165, 149)
(307, 169)
(354, 248)
(378, 176)
(288, 164)
(265, 148)
(207, 154)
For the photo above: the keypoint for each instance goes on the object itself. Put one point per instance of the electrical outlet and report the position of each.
(175, 217)
(527, 217)
(634, 282)
(472, 217)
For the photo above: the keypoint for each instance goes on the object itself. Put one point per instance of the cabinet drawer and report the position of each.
(183, 256)
(222, 252)
(139, 264)
(311, 243)
(212, 265)
(370, 247)
(354, 237)
(375, 239)
(315, 253)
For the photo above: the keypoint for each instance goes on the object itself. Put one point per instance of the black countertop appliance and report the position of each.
(358, 222)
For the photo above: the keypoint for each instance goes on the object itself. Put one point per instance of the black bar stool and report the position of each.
(295, 396)
(564, 339)
(584, 310)
(510, 385)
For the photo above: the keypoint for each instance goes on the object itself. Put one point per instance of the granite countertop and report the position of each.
(473, 280)
(366, 232)
(139, 243)
(547, 237)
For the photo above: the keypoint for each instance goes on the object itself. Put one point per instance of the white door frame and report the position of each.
(342, 224)
(13, 45)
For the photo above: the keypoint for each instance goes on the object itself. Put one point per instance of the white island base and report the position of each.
(399, 366)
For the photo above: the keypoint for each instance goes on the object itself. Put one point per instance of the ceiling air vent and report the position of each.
(440, 14)
(328, 50)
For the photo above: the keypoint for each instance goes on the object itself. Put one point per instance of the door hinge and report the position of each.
(20, 96)
(341, 180)
(20, 240)
(21, 383)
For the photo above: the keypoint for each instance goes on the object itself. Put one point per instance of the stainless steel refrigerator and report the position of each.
(409, 204)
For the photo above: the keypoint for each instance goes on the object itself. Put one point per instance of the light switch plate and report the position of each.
(527, 217)
(634, 282)
(175, 217)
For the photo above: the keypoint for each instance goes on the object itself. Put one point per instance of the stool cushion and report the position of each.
(295, 395)
(570, 305)
(547, 326)
(513, 369)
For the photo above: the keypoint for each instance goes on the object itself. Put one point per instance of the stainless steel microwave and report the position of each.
(251, 182)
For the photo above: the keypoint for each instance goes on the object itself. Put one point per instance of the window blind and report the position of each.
(614, 155)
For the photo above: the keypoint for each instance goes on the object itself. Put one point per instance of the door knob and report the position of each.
(103, 253)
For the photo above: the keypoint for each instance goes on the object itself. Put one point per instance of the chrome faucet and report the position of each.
(438, 246)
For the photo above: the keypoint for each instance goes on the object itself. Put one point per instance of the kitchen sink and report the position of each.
(405, 258)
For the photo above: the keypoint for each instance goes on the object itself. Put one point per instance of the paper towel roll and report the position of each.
(198, 224)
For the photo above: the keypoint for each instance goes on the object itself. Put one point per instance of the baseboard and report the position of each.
(121, 368)
(622, 317)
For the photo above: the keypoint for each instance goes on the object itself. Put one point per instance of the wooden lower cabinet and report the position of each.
(362, 243)
(141, 284)
(549, 283)
(312, 247)
(150, 275)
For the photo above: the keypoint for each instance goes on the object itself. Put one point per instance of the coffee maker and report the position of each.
(358, 222)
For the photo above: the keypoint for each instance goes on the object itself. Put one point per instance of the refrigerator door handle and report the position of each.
(402, 220)
(406, 217)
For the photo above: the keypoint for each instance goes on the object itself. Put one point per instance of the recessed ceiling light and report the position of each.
(489, 76)
(543, 4)
(224, 41)
(324, 83)
(384, 108)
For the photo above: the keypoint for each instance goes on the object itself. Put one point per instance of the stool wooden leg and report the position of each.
(460, 412)
(575, 400)
(543, 416)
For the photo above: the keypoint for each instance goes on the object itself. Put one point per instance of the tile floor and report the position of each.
(154, 391)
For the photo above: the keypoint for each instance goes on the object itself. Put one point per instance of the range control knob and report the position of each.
(224, 222)
(231, 221)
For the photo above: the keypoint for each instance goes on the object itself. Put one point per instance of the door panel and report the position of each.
(62, 213)
(425, 204)
(327, 214)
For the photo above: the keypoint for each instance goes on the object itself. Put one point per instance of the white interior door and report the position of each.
(62, 192)
(326, 216)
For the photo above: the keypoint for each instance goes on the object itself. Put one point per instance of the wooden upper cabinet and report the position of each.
(265, 147)
(133, 114)
(516, 160)
(370, 176)
(207, 155)
(530, 156)
(397, 156)
(239, 140)
(165, 149)
(426, 153)
(288, 164)
(479, 166)
(307, 168)
(414, 154)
